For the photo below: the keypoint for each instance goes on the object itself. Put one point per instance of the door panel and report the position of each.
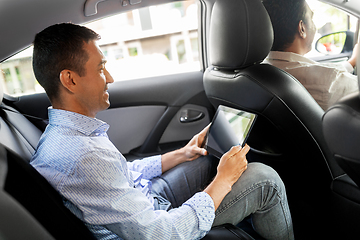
(181, 131)
(129, 126)
(154, 107)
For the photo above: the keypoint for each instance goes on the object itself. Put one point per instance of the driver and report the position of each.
(294, 32)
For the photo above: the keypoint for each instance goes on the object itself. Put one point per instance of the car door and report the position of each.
(158, 100)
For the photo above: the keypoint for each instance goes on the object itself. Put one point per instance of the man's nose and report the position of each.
(109, 78)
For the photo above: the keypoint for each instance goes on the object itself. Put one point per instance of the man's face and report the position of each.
(310, 27)
(93, 96)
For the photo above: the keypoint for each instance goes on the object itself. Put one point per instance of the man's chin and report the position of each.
(107, 105)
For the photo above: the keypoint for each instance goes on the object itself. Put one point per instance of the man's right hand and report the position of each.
(233, 164)
(230, 168)
(353, 58)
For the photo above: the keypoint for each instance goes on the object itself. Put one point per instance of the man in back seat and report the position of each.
(120, 199)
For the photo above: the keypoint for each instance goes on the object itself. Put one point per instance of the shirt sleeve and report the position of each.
(348, 66)
(344, 84)
(100, 188)
(150, 167)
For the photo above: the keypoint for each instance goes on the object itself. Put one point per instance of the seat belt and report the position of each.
(25, 115)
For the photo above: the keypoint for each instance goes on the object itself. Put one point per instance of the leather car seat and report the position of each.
(287, 134)
(16, 131)
(16, 222)
(341, 124)
(341, 127)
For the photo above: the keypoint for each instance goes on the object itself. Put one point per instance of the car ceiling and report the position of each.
(350, 6)
(22, 19)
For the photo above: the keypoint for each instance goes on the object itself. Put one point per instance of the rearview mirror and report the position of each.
(335, 43)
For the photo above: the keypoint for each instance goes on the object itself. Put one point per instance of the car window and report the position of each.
(147, 42)
(328, 19)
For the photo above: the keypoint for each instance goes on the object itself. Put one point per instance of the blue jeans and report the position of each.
(259, 192)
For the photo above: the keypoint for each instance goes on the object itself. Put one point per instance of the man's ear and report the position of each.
(302, 29)
(67, 79)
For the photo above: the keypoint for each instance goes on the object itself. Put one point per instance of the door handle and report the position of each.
(190, 115)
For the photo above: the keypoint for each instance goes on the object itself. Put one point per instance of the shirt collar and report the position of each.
(288, 57)
(76, 121)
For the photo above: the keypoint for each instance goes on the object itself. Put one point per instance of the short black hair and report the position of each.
(59, 47)
(285, 16)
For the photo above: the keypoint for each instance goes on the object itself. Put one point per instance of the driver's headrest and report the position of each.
(241, 34)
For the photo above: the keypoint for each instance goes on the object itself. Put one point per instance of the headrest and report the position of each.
(241, 34)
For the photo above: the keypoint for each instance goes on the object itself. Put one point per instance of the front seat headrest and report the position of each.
(241, 34)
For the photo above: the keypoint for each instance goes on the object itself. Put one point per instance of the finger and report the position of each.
(233, 151)
(204, 152)
(204, 131)
(244, 150)
(201, 136)
(200, 151)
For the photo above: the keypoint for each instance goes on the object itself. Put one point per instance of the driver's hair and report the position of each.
(59, 47)
(285, 16)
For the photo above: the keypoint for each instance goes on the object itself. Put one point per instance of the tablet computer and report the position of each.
(229, 127)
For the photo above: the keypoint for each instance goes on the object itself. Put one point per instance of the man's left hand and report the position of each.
(190, 152)
(194, 148)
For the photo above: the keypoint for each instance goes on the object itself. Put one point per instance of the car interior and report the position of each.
(315, 153)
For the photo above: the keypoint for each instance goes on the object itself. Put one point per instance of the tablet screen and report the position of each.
(229, 127)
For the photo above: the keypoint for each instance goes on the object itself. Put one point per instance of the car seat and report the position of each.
(341, 127)
(287, 134)
(25, 190)
(15, 221)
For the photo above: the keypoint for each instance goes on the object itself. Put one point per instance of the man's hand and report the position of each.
(353, 58)
(190, 152)
(231, 166)
(194, 149)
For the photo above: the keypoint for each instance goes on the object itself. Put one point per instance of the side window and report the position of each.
(16, 75)
(147, 42)
(151, 41)
(328, 19)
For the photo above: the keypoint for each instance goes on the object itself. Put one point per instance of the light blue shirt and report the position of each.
(111, 195)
